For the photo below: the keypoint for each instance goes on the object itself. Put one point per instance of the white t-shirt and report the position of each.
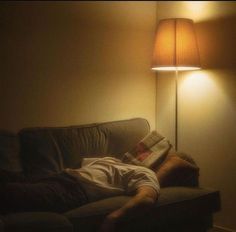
(107, 177)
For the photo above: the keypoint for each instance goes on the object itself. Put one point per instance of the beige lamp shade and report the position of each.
(176, 45)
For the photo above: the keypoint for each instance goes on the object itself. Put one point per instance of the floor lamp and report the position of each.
(176, 50)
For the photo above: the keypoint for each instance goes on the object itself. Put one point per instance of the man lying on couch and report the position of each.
(98, 178)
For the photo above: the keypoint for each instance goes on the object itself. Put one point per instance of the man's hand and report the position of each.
(143, 200)
(108, 224)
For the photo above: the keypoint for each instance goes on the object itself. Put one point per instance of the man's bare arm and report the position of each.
(144, 199)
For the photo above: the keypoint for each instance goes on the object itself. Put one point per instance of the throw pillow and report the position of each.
(149, 152)
(176, 171)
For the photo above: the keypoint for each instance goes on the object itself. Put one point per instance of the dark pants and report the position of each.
(57, 193)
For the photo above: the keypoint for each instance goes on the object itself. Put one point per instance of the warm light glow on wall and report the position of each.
(199, 9)
(204, 102)
(198, 98)
(205, 10)
(197, 86)
(196, 10)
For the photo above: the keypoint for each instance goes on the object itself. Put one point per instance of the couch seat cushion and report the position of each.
(89, 217)
(37, 222)
(174, 204)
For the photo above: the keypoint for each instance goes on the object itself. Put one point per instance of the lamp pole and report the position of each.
(176, 109)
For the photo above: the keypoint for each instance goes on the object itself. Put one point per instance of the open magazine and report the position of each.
(149, 152)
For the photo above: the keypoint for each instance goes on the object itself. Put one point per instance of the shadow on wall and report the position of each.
(218, 51)
(217, 43)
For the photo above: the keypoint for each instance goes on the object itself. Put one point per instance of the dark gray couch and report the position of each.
(41, 151)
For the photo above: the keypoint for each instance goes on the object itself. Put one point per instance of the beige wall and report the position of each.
(207, 99)
(66, 63)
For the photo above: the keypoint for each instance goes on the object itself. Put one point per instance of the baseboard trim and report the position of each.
(222, 229)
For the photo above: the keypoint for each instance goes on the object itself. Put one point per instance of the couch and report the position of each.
(40, 151)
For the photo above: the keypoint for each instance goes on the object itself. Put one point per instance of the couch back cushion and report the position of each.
(49, 150)
(122, 135)
(9, 152)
